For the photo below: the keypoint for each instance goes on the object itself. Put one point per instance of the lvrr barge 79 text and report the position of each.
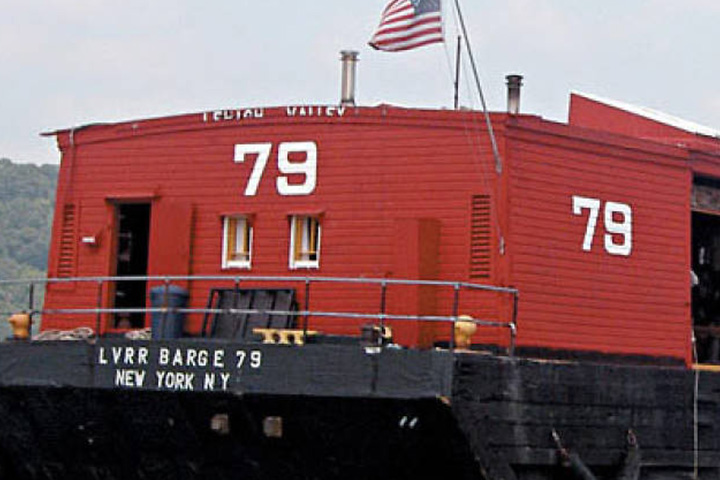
(268, 248)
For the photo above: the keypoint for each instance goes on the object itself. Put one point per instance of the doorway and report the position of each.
(131, 259)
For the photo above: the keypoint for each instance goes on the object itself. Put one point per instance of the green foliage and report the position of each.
(27, 200)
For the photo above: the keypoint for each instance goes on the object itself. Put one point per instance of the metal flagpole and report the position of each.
(493, 142)
(457, 73)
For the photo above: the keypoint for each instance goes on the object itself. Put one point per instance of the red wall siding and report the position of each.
(394, 186)
(593, 300)
(376, 168)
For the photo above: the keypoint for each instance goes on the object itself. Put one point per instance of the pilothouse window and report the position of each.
(237, 242)
(305, 241)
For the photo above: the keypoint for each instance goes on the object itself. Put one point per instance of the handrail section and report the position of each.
(381, 317)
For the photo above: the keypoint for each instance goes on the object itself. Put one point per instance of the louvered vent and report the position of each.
(480, 240)
(66, 259)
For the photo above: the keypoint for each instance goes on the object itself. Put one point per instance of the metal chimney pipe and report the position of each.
(349, 59)
(514, 82)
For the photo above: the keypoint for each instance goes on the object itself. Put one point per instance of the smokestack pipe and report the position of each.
(349, 60)
(514, 82)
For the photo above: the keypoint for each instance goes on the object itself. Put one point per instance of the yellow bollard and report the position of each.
(20, 323)
(464, 330)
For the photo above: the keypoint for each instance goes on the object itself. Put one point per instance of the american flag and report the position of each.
(407, 24)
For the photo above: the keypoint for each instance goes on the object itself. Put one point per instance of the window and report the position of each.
(237, 242)
(304, 241)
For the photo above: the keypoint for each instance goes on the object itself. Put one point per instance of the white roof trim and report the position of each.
(654, 115)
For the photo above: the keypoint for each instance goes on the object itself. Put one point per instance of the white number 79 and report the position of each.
(612, 226)
(307, 167)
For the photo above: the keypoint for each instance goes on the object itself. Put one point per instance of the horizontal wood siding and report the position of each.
(374, 169)
(380, 167)
(594, 300)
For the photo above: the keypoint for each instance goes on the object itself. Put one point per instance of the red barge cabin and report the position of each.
(375, 292)
(601, 224)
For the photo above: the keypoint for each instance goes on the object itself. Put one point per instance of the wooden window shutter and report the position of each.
(480, 237)
(66, 257)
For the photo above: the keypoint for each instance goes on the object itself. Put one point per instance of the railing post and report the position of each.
(383, 304)
(165, 305)
(98, 315)
(456, 307)
(31, 294)
(31, 303)
(513, 334)
(513, 323)
(306, 316)
(236, 299)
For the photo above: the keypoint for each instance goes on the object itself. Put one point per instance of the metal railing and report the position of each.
(381, 316)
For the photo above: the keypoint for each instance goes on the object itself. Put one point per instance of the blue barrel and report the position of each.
(170, 324)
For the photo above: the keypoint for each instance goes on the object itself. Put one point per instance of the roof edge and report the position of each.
(654, 115)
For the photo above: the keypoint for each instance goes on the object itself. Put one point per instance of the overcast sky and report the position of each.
(65, 63)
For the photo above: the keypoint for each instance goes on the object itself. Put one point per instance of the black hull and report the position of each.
(86, 434)
(346, 412)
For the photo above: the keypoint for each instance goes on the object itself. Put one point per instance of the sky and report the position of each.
(66, 63)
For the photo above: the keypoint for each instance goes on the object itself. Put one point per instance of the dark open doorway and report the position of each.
(131, 257)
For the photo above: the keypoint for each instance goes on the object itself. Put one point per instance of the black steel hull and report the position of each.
(69, 410)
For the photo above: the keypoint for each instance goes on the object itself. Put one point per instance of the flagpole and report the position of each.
(493, 142)
(457, 73)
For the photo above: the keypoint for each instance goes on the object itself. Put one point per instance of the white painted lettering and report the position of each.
(129, 355)
(233, 115)
(175, 380)
(143, 356)
(191, 357)
(255, 359)
(225, 378)
(101, 357)
(189, 381)
(116, 354)
(129, 378)
(164, 356)
(314, 111)
(306, 168)
(121, 378)
(219, 359)
(203, 358)
(262, 151)
(209, 381)
(240, 356)
(177, 358)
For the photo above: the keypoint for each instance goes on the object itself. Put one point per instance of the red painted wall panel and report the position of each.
(375, 168)
(382, 168)
(588, 113)
(575, 297)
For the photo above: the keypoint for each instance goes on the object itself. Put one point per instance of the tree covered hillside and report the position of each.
(27, 198)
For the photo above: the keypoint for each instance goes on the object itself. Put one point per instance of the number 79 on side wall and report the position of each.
(617, 220)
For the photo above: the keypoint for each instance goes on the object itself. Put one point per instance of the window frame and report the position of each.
(228, 262)
(298, 231)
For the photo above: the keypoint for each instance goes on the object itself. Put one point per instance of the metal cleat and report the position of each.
(283, 336)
